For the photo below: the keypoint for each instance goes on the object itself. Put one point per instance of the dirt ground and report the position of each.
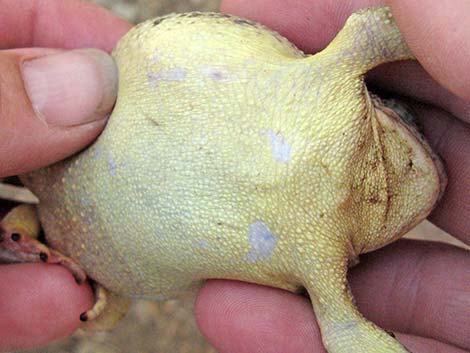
(162, 327)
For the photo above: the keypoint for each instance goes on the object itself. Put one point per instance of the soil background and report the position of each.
(168, 327)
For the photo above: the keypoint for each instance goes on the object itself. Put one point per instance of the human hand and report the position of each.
(49, 109)
(419, 289)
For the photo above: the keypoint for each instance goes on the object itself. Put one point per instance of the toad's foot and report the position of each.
(19, 243)
(19, 232)
(108, 310)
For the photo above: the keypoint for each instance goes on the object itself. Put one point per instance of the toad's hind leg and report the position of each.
(343, 328)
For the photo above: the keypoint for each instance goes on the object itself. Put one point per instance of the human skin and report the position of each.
(40, 303)
(415, 278)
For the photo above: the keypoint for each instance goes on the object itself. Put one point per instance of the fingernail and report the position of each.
(72, 87)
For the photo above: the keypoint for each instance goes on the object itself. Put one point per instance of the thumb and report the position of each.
(438, 33)
(52, 104)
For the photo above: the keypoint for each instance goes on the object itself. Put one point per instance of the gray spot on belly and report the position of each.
(98, 152)
(203, 244)
(262, 241)
(281, 149)
(174, 74)
(111, 164)
(216, 74)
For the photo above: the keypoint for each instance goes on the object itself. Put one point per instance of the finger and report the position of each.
(312, 24)
(441, 43)
(239, 317)
(408, 79)
(449, 138)
(256, 316)
(414, 287)
(59, 24)
(419, 288)
(52, 104)
(39, 303)
(426, 345)
(264, 320)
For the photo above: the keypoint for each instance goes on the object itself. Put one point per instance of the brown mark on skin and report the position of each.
(386, 167)
(388, 203)
(373, 199)
(347, 203)
(325, 168)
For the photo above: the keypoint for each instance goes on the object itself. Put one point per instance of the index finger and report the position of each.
(59, 24)
(441, 43)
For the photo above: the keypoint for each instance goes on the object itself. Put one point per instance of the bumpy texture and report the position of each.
(231, 154)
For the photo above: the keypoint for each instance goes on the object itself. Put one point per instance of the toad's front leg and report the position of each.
(19, 243)
(19, 232)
